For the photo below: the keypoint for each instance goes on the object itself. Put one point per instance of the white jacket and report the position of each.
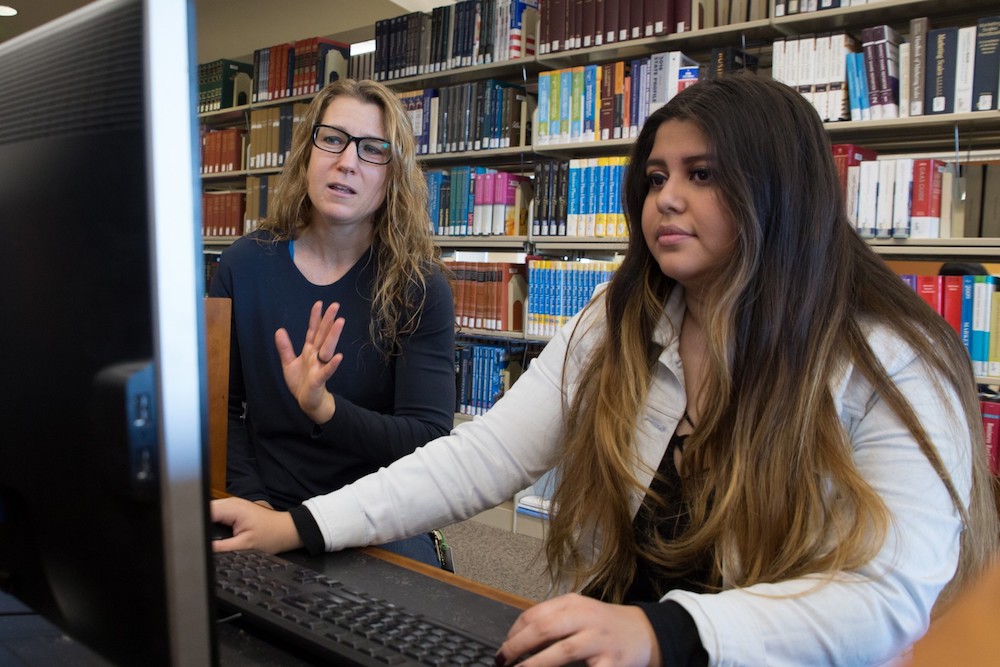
(863, 617)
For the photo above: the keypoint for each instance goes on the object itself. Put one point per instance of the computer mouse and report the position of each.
(221, 531)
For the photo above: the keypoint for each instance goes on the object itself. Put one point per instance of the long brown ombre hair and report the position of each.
(772, 488)
(402, 243)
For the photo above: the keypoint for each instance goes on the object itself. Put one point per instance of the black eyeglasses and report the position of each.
(334, 140)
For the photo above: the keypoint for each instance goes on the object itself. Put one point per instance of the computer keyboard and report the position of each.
(338, 623)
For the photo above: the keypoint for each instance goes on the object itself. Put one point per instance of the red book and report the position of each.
(991, 431)
(925, 204)
(682, 16)
(951, 301)
(929, 289)
(611, 17)
(607, 114)
(849, 155)
(658, 17)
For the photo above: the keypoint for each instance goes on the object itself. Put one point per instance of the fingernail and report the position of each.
(498, 660)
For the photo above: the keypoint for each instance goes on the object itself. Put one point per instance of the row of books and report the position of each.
(896, 198)
(580, 198)
(971, 305)
(271, 131)
(223, 84)
(222, 150)
(301, 67)
(489, 295)
(937, 71)
(463, 34)
(223, 213)
(918, 198)
(790, 7)
(482, 374)
(478, 201)
(558, 290)
(608, 101)
(575, 24)
(478, 115)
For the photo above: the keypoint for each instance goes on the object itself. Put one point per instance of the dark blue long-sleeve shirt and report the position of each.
(386, 407)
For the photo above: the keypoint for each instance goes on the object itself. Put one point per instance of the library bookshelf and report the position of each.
(957, 138)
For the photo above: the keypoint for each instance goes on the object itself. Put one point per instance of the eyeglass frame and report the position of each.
(350, 140)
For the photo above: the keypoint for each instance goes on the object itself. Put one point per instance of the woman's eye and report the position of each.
(657, 180)
(701, 175)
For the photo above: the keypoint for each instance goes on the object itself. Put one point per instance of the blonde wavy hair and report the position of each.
(787, 311)
(403, 248)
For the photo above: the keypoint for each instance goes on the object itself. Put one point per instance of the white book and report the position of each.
(789, 68)
(981, 306)
(852, 194)
(902, 194)
(778, 60)
(675, 62)
(658, 80)
(838, 100)
(821, 76)
(964, 66)
(806, 76)
(868, 198)
(904, 80)
(884, 201)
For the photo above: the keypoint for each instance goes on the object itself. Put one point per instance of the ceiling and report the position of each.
(234, 28)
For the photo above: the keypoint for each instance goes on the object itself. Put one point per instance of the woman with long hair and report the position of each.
(769, 449)
(347, 231)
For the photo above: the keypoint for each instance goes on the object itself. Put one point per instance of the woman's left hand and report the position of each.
(574, 628)
(307, 373)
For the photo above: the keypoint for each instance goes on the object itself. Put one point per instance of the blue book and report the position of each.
(542, 109)
(433, 179)
(981, 307)
(589, 101)
(573, 198)
(864, 96)
(968, 285)
(565, 103)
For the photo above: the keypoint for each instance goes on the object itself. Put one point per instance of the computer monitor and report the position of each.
(103, 497)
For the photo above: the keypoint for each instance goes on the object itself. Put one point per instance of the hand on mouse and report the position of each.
(254, 527)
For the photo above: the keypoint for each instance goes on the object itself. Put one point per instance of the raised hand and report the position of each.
(307, 373)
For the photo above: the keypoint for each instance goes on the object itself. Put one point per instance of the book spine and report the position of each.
(918, 63)
(939, 82)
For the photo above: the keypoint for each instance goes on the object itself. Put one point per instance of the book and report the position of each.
(925, 207)
(728, 59)
(939, 75)
(982, 304)
(990, 409)
(965, 55)
(951, 301)
(986, 78)
(902, 197)
(990, 216)
(881, 48)
(222, 84)
(929, 289)
(974, 177)
(846, 155)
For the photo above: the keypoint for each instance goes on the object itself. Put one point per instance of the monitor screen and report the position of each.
(103, 500)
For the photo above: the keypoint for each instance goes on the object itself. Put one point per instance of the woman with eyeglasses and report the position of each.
(346, 240)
